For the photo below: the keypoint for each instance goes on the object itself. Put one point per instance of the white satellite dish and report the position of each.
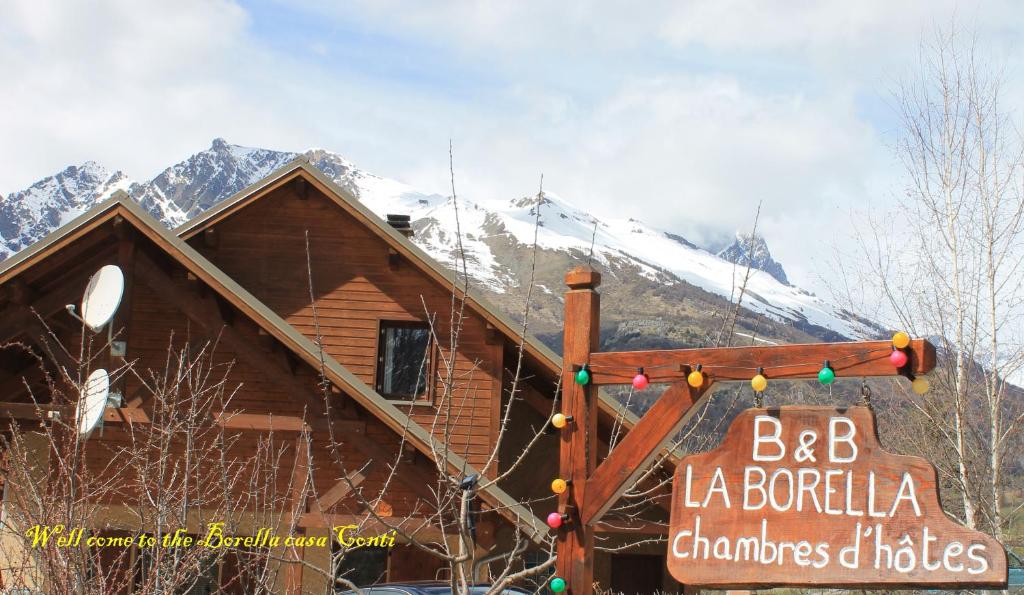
(92, 401)
(102, 296)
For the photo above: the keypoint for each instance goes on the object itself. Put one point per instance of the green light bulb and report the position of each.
(583, 377)
(558, 584)
(826, 376)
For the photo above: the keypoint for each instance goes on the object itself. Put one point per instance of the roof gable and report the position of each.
(301, 167)
(122, 205)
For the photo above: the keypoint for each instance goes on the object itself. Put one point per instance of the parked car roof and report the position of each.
(425, 588)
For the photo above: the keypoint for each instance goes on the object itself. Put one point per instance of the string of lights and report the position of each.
(697, 377)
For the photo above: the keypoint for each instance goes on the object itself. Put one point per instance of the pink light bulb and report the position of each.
(898, 358)
(554, 520)
(640, 381)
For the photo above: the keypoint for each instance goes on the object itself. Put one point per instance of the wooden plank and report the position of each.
(45, 340)
(254, 422)
(205, 312)
(12, 321)
(631, 527)
(365, 230)
(578, 456)
(865, 358)
(26, 411)
(640, 447)
(264, 422)
(816, 479)
(421, 527)
(300, 489)
(341, 489)
(122, 322)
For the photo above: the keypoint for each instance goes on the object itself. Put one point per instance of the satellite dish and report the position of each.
(92, 401)
(102, 296)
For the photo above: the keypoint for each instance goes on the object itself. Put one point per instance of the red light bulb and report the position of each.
(898, 358)
(640, 381)
(554, 520)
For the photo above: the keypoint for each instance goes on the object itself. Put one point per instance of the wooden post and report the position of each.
(300, 483)
(579, 440)
(594, 489)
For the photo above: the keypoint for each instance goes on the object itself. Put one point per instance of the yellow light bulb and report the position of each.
(695, 379)
(559, 421)
(920, 385)
(759, 383)
(900, 340)
(559, 486)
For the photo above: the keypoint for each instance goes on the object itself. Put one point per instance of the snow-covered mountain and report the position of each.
(753, 250)
(51, 202)
(493, 232)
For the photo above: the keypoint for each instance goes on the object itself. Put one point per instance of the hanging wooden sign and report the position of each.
(805, 496)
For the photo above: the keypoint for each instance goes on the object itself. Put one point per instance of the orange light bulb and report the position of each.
(695, 378)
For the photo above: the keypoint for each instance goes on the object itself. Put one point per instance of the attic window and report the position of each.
(403, 360)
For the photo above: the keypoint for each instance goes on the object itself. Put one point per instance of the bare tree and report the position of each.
(947, 266)
(452, 512)
(140, 499)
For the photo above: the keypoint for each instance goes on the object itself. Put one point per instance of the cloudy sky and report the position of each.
(684, 114)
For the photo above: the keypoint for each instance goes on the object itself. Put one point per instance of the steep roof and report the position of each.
(121, 204)
(403, 245)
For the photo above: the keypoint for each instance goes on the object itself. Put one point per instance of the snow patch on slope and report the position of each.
(191, 186)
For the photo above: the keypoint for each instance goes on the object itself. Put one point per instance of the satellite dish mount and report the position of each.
(100, 300)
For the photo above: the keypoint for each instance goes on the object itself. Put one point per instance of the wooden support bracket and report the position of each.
(593, 490)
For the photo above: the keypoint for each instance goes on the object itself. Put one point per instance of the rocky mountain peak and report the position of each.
(753, 250)
(28, 215)
(494, 234)
(189, 187)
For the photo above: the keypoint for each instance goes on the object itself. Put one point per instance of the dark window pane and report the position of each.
(363, 566)
(403, 360)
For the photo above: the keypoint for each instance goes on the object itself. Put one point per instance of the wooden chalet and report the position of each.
(239, 275)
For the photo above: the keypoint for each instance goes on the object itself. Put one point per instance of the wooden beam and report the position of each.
(302, 188)
(26, 411)
(45, 340)
(341, 489)
(300, 487)
(206, 312)
(420, 480)
(248, 422)
(631, 527)
(264, 422)
(578, 452)
(865, 358)
(122, 321)
(421, 528)
(12, 321)
(640, 447)
(301, 473)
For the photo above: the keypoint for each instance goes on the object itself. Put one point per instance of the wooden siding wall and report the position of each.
(154, 322)
(153, 326)
(263, 247)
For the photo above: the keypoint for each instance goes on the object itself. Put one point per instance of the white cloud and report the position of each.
(126, 83)
(684, 114)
